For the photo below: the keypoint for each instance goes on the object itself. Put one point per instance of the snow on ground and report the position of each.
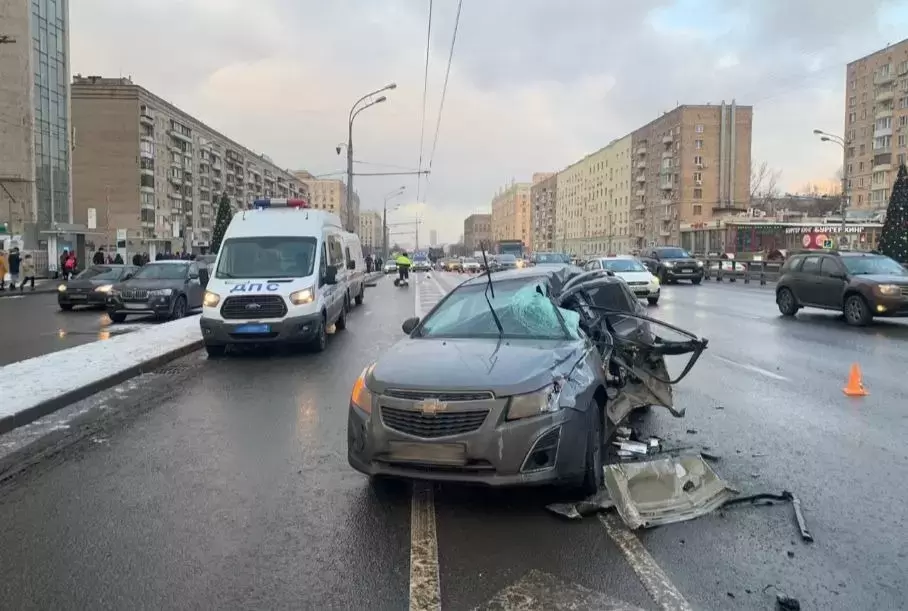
(53, 374)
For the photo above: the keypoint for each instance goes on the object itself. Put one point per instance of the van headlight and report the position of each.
(211, 300)
(302, 297)
(543, 401)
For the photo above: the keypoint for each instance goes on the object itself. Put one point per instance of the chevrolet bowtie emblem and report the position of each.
(431, 407)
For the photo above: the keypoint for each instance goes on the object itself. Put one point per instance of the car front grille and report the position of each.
(258, 307)
(431, 426)
(904, 290)
(134, 294)
(637, 283)
(446, 396)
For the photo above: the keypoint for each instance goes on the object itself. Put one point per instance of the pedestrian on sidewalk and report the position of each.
(15, 262)
(98, 259)
(28, 272)
(70, 265)
(118, 260)
(137, 260)
(3, 269)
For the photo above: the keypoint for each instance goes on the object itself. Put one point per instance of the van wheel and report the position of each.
(320, 341)
(362, 294)
(341, 323)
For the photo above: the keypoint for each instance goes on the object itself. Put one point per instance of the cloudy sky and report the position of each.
(534, 84)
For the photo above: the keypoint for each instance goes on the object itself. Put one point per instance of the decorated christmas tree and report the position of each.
(221, 220)
(894, 237)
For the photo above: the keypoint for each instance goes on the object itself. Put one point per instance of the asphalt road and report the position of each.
(224, 484)
(32, 325)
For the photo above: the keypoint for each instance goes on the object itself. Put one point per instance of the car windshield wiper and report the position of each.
(489, 288)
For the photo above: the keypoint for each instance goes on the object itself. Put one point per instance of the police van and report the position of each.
(281, 276)
(356, 268)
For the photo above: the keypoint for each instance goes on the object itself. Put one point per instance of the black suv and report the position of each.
(859, 284)
(165, 289)
(670, 264)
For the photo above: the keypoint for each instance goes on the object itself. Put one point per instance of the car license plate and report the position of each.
(77, 297)
(435, 453)
(252, 329)
(135, 306)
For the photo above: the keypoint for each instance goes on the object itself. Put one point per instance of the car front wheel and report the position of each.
(594, 476)
(785, 299)
(857, 311)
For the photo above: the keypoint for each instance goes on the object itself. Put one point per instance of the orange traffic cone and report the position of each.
(855, 386)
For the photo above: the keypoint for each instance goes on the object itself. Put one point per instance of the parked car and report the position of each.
(504, 390)
(390, 267)
(670, 264)
(640, 280)
(860, 285)
(165, 289)
(91, 287)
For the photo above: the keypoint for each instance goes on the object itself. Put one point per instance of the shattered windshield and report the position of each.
(523, 310)
(873, 265)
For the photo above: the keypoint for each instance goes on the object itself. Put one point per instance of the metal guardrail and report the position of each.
(747, 271)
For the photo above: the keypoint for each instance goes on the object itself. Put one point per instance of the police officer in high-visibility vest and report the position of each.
(403, 267)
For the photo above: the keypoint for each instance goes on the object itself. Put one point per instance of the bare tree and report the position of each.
(764, 186)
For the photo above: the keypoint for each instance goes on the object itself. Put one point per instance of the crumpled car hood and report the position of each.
(504, 367)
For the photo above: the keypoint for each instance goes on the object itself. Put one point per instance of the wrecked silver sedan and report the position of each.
(514, 378)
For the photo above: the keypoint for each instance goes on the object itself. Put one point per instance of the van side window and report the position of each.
(322, 265)
(347, 254)
(335, 253)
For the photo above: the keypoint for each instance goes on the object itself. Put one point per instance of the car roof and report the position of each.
(525, 273)
(616, 257)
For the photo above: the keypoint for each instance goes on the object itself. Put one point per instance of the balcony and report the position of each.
(665, 232)
(640, 206)
(668, 139)
(641, 165)
(641, 150)
(666, 185)
(146, 189)
(884, 95)
(175, 180)
(883, 113)
(882, 79)
(177, 135)
(641, 178)
(640, 192)
(884, 148)
(668, 154)
(665, 202)
(882, 131)
(146, 119)
(882, 167)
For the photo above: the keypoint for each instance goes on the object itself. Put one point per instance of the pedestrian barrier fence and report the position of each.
(721, 270)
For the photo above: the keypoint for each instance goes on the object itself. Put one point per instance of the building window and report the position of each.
(698, 209)
(698, 144)
(698, 194)
(698, 161)
(698, 178)
(699, 128)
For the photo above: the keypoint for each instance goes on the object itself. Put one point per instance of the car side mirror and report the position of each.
(193, 277)
(204, 277)
(330, 275)
(351, 264)
(839, 275)
(410, 324)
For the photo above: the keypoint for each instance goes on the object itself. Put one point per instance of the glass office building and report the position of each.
(50, 62)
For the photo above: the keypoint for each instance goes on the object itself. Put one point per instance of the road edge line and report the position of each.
(39, 410)
(654, 579)
(425, 583)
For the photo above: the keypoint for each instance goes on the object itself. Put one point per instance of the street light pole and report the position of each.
(384, 222)
(352, 115)
(826, 137)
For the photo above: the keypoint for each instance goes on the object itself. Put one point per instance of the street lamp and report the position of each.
(384, 234)
(355, 110)
(827, 137)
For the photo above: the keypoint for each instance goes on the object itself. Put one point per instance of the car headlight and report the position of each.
(210, 299)
(889, 289)
(361, 396)
(62, 288)
(543, 401)
(160, 293)
(668, 264)
(699, 263)
(104, 288)
(654, 280)
(301, 297)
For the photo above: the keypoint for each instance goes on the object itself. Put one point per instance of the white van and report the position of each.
(356, 268)
(280, 276)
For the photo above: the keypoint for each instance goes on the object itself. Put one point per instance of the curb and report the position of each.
(17, 293)
(29, 415)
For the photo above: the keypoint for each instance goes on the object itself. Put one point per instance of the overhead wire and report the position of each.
(444, 93)
(425, 91)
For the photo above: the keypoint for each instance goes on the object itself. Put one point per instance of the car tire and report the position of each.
(66, 307)
(785, 299)
(341, 323)
(857, 311)
(663, 277)
(179, 308)
(320, 342)
(362, 294)
(593, 477)
(214, 351)
(116, 317)
(652, 300)
(696, 280)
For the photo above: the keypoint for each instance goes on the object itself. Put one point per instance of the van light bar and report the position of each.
(270, 202)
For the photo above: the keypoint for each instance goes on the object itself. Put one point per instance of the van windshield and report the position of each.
(267, 257)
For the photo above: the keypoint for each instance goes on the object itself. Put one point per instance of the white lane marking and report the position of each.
(425, 585)
(416, 293)
(752, 368)
(651, 575)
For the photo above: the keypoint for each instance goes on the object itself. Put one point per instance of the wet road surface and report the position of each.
(224, 484)
(32, 325)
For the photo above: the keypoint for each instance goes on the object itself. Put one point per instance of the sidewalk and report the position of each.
(42, 287)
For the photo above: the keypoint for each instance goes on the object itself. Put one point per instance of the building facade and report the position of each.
(35, 129)
(152, 175)
(331, 194)
(876, 125)
(511, 214)
(691, 165)
(570, 226)
(543, 196)
(477, 229)
(370, 232)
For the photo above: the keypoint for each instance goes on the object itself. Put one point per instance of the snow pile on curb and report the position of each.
(38, 386)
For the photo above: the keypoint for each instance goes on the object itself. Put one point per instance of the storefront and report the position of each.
(743, 236)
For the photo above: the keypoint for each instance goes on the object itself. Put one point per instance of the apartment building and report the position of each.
(35, 129)
(543, 196)
(477, 228)
(370, 232)
(570, 227)
(155, 174)
(331, 194)
(876, 125)
(511, 214)
(691, 166)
